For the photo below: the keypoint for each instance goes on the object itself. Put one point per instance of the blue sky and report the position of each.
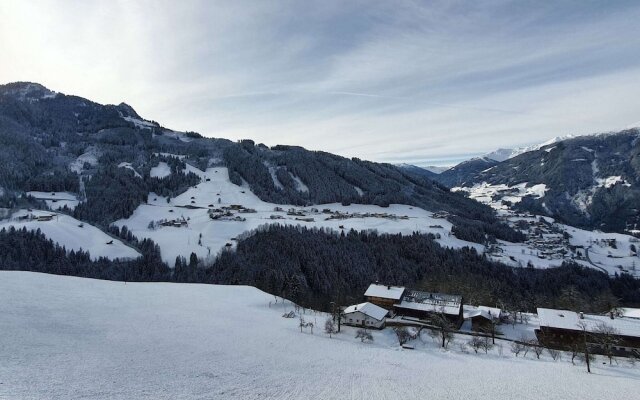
(424, 82)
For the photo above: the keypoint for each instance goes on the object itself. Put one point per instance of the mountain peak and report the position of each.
(26, 91)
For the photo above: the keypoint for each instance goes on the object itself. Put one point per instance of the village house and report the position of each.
(365, 315)
(562, 329)
(385, 296)
(416, 304)
(482, 318)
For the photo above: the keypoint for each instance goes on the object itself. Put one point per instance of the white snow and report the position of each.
(384, 291)
(493, 195)
(129, 166)
(140, 123)
(610, 181)
(57, 200)
(182, 241)
(367, 309)
(359, 191)
(300, 186)
(70, 338)
(72, 234)
(566, 319)
(90, 157)
(161, 170)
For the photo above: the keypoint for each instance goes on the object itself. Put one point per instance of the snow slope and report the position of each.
(182, 241)
(57, 200)
(70, 338)
(161, 170)
(68, 232)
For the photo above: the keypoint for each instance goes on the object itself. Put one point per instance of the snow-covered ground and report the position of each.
(57, 200)
(161, 170)
(182, 241)
(70, 338)
(589, 248)
(72, 234)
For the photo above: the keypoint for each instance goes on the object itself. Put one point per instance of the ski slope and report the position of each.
(72, 234)
(71, 338)
(183, 240)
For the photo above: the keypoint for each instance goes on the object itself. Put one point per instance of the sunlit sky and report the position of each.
(423, 82)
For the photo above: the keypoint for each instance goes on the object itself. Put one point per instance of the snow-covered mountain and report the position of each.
(592, 181)
(505, 154)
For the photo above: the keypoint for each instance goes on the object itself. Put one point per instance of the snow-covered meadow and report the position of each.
(205, 237)
(69, 338)
(71, 233)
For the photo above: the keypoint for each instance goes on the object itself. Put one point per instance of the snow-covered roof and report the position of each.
(449, 309)
(493, 311)
(630, 312)
(565, 319)
(385, 291)
(367, 309)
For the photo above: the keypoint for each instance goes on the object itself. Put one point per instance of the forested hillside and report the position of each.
(315, 267)
(52, 142)
(591, 181)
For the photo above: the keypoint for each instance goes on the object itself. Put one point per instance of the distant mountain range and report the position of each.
(592, 181)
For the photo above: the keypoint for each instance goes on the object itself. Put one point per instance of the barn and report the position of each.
(563, 329)
(366, 315)
(424, 305)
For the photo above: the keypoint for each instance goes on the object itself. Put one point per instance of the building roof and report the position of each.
(368, 309)
(565, 319)
(493, 311)
(629, 312)
(431, 302)
(384, 291)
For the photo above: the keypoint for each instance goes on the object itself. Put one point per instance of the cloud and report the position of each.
(402, 81)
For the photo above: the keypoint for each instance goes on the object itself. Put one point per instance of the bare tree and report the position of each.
(486, 344)
(330, 327)
(587, 358)
(445, 328)
(402, 334)
(475, 343)
(536, 347)
(607, 337)
(364, 335)
(517, 348)
(555, 354)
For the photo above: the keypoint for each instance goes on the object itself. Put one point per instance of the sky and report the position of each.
(421, 82)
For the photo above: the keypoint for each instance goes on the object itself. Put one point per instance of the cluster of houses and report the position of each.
(39, 218)
(386, 301)
(227, 213)
(560, 329)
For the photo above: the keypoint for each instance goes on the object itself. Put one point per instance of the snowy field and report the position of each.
(72, 234)
(70, 338)
(57, 200)
(183, 240)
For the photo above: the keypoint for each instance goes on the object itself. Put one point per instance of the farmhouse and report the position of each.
(385, 296)
(425, 305)
(367, 315)
(563, 329)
